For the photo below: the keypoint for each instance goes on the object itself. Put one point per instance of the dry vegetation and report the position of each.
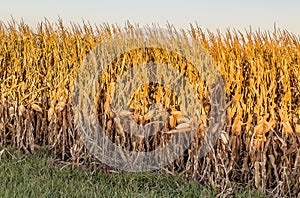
(262, 74)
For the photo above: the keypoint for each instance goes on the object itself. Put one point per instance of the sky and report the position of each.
(210, 14)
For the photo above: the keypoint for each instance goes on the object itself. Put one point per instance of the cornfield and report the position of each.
(260, 145)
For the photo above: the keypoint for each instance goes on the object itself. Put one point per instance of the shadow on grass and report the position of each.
(39, 175)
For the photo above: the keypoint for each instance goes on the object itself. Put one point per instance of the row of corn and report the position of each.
(260, 144)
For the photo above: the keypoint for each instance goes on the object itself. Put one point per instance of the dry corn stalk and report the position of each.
(262, 74)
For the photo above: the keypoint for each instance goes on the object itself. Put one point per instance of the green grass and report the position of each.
(39, 176)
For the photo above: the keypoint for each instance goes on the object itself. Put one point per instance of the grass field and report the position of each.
(40, 175)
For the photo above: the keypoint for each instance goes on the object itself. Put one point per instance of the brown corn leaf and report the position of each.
(172, 121)
(60, 106)
(36, 107)
(11, 111)
(297, 128)
(22, 110)
(50, 113)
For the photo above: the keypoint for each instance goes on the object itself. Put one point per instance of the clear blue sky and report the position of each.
(211, 14)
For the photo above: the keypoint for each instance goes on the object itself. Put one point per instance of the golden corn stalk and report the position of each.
(260, 146)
